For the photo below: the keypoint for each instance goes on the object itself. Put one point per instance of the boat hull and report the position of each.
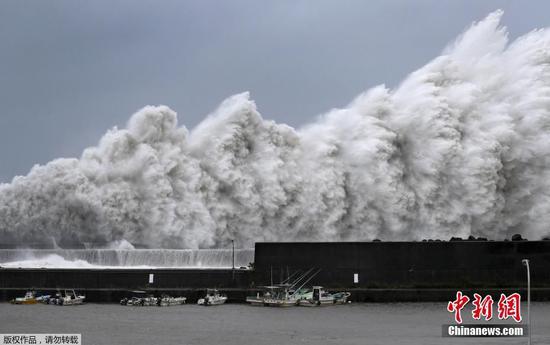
(30, 301)
(314, 303)
(77, 301)
(255, 301)
(280, 303)
(341, 297)
(210, 302)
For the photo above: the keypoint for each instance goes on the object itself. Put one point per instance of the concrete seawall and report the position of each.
(108, 285)
(408, 265)
(372, 271)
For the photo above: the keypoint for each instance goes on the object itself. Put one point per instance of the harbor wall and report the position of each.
(386, 272)
(407, 265)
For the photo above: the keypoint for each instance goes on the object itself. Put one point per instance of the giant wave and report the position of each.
(461, 147)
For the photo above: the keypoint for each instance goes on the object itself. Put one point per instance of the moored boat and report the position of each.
(213, 297)
(317, 297)
(286, 294)
(29, 298)
(165, 301)
(341, 297)
(70, 297)
(258, 300)
(280, 296)
(142, 299)
(146, 301)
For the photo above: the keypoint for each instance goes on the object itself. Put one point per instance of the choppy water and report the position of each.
(236, 324)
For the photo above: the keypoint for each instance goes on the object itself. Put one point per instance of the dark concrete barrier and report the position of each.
(108, 285)
(123, 278)
(386, 272)
(406, 265)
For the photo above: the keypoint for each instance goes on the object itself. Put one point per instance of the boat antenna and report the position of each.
(311, 277)
(288, 279)
(303, 276)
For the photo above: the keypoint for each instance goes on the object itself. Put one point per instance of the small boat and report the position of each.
(43, 299)
(129, 301)
(286, 294)
(274, 296)
(29, 298)
(165, 301)
(341, 297)
(317, 297)
(54, 299)
(70, 298)
(213, 297)
(280, 296)
(269, 293)
(258, 300)
(139, 301)
(147, 300)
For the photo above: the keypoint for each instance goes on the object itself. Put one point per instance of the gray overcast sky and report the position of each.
(70, 70)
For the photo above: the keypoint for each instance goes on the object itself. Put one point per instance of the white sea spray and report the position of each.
(461, 147)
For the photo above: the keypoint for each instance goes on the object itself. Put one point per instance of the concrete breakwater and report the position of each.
(372, 271)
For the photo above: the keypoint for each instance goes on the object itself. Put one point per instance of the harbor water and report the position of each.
(236, 324)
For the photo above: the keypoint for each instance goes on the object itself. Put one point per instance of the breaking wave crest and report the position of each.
(127, 258)
(461, 147)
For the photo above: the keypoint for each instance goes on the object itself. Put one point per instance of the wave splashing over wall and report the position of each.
(127, 258)
(461, 147)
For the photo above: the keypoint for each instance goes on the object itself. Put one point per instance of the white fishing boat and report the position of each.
(166, 301)
(273, 295)
(71, 298)
(43, 298)
(142, 299)
(147, 301)
(258, 300)
(280, 296)
(130, 301)
(341, 297)
(286, 294)
(139, 299)
(317, 297)
(213, 297)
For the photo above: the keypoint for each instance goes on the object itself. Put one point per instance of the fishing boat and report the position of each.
(258, 300)
(130, 301)
(280, 296)
(29, 298)
(317, 297)
(213, 297)
(273, 296)
(55, 299)
(146, 301)
(140, 299)
(70, 297)
(165, 301)
(286, 294)
(341, 297)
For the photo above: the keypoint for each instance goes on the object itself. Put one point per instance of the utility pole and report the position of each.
(233, 261)
(233, 252)
(525, 262)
